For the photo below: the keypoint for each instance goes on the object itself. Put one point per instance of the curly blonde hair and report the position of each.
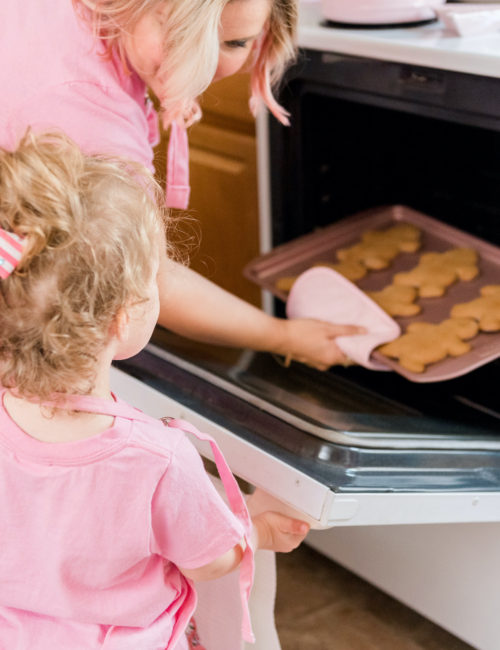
(191, 48)
(92, 234)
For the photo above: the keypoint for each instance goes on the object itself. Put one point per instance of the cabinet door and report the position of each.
(224, 200)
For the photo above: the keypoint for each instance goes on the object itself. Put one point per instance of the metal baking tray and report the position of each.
(296, 256)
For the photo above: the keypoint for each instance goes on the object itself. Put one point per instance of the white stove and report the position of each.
(426, 45)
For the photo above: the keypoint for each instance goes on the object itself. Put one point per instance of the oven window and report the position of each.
(341, 157)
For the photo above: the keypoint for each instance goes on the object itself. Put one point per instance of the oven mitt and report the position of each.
(324, 294)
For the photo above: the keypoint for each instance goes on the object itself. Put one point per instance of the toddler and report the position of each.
(107, 516)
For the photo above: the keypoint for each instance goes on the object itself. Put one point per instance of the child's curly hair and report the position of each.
(92, 232)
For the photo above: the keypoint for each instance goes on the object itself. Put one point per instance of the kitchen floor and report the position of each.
(322, 606)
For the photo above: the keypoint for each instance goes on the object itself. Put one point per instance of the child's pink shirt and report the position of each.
(55, 75)
(92, 534)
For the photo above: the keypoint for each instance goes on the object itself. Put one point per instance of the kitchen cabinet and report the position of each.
(224, 204)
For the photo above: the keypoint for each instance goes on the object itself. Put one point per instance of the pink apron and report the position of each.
(235, 498)
(177, 189)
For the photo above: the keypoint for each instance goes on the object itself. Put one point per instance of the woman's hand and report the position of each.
(313, 342)
(194, 307)
(276, 532)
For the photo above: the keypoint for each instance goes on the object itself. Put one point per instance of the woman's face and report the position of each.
(242, 22)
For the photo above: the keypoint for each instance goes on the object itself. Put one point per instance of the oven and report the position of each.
(403, 477)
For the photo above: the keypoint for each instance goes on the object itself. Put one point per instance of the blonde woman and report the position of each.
(108, 518)
(84, 67)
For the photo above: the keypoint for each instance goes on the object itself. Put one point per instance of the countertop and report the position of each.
(429, 45)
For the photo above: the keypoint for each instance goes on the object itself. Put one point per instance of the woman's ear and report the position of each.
(120, 325)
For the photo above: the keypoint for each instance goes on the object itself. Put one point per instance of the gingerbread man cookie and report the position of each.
(396, 300)
(437, 271)
(426, 343)
(285, 283)
(485, 309)
(349, 269)
(378, 248)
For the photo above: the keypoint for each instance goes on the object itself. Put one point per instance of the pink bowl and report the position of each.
(379, 12)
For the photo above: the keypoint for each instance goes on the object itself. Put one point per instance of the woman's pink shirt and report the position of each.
(54, 76)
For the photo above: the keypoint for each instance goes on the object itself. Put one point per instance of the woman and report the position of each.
(85, 69)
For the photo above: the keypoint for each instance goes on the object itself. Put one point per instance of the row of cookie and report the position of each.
(430, 278)
(375, 251)
(425, 343)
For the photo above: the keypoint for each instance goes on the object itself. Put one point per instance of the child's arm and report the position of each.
(271, 530)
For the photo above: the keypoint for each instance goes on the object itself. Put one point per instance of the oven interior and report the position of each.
(366, 133)
(370, 133)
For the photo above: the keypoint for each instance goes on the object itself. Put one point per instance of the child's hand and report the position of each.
(271, 530)
(276, 532)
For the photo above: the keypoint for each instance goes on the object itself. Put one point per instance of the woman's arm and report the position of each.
(194, 307)
(271, 531)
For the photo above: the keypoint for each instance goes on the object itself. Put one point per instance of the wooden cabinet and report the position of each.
(224, 187)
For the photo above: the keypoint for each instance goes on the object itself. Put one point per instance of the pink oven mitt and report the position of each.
(324, 294)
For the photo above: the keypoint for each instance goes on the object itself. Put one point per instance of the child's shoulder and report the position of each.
(154, 437)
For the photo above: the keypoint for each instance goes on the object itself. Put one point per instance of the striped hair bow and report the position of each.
(11, 250)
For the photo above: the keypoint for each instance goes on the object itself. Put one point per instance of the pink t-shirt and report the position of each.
(92, 532)
(55, 75)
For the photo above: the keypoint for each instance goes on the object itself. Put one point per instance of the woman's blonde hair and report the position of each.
(191, 48)
(92, 238)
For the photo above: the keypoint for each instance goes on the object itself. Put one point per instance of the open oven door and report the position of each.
(348, 447)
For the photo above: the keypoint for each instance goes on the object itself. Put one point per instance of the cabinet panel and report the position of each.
(225, 104)
(223, 186)
(224, 200)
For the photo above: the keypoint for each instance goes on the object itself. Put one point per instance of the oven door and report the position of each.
(326, 445)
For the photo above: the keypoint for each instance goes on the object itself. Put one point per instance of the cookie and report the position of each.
(435, 272)
(285, 283)
(426, 343)
(396, 300)
(349, 269)
(485, 309)
(378, 248)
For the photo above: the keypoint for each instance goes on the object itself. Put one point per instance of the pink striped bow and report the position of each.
(11, 250)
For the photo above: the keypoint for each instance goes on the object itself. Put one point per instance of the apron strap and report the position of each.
(177, 188)
(239, 508)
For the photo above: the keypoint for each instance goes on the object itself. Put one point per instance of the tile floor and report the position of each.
(322, 606)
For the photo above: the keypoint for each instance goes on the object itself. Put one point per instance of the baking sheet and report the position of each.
(295, 257)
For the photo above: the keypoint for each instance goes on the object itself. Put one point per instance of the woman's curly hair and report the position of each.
(92, 233)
